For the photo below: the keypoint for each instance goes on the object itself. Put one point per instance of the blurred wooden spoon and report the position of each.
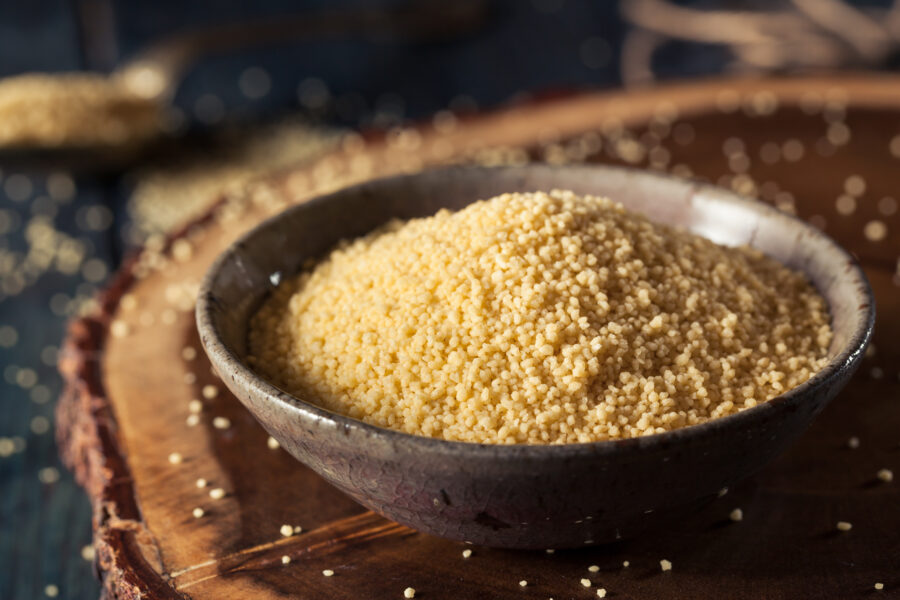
(94, 121)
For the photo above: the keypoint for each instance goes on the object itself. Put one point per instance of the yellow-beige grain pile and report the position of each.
(540, 318)
(77, 109)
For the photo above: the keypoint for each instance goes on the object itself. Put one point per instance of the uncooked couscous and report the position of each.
(539, 318)
(75, 109)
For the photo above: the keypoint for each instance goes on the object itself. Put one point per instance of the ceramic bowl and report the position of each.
(528, 496)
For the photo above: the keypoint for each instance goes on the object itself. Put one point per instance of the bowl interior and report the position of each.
(243, 276)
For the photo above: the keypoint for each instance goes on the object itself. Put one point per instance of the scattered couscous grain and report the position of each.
(665, 565)
(466, 553)
(409, 593)
(297, 529)
(217, 493)
(210, 391)
(175, 458)
(523, 583)
(192, 420)
(221, 423)
(272, 443)
(601, 592)
(201, 483)
(626, 564)
(585, 582)
(853, 443)
(51, 590)
(48, 475)
(593, 568)
(119, 329)
(736, 515)
(286, 530)
(88, 552)
(195, 406)
(879, 586)
(885, 475)
(198, 512)
(327, 572)
(540, 318)
(285, 560)
(844, 526)
(550, 551)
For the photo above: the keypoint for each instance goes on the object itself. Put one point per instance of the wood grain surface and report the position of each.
(134, 368)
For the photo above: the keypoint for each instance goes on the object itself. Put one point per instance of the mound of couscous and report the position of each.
(539, 318)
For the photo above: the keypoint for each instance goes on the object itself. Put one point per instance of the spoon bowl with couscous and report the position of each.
(534, 357)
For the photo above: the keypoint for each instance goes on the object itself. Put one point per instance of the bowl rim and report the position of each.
(222, 356)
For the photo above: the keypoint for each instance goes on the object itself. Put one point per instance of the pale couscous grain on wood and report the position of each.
(540, 318)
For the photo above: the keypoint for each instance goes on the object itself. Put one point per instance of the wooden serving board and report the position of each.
(134, 367)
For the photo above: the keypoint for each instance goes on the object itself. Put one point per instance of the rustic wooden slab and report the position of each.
(133, 369)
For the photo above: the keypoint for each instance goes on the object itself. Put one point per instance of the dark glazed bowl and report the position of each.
(528, 496)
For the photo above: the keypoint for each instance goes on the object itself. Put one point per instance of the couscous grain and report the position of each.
(540, 318)
(88, 552)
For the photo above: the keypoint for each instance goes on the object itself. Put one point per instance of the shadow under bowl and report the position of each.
(528, 496)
